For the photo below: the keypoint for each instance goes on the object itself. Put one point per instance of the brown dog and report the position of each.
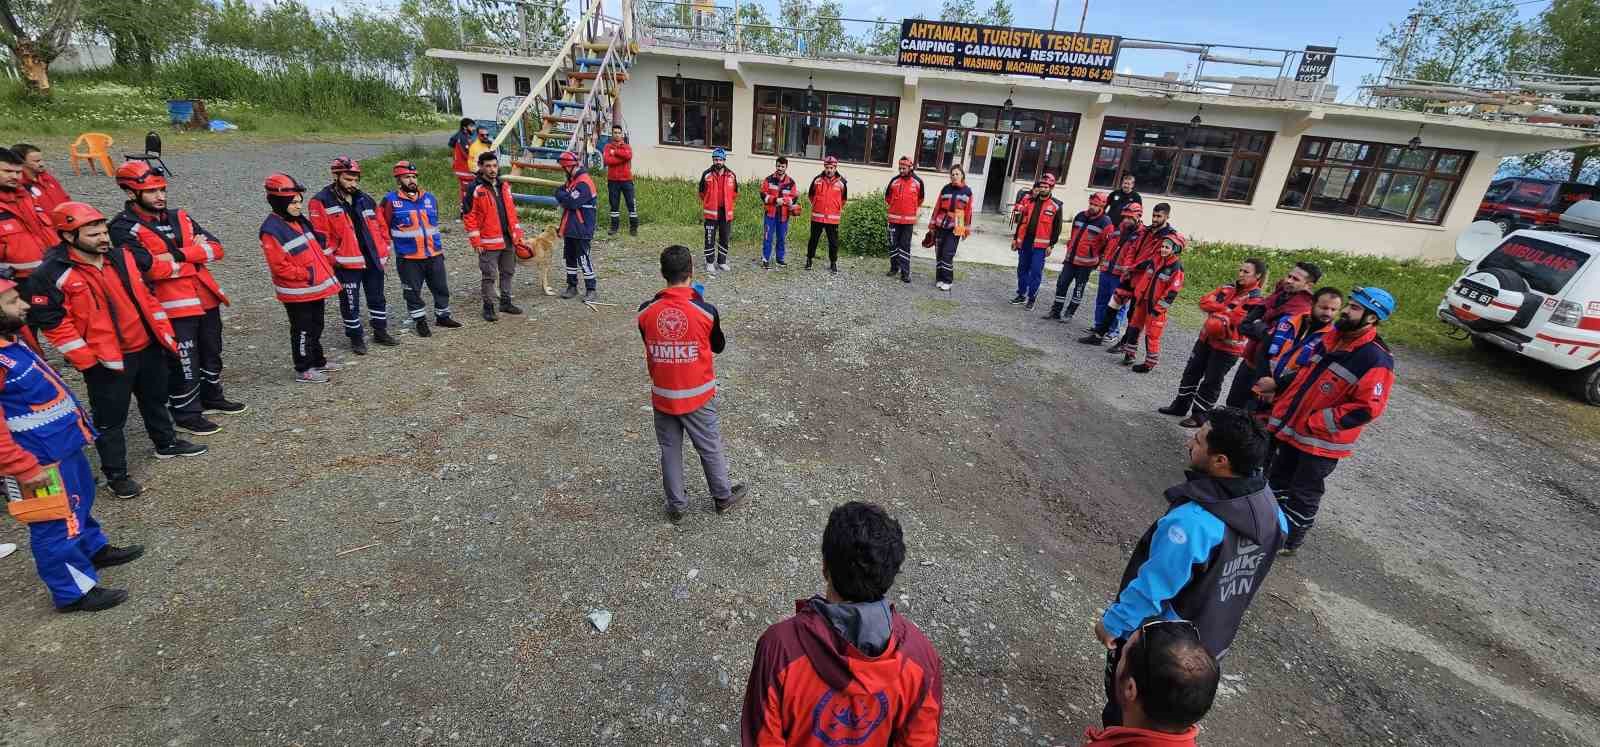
(539, 249)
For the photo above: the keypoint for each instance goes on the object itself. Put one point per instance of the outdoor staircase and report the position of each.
(573, 105)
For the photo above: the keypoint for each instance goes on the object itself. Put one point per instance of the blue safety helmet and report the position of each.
(1375, 300)
(717, 153)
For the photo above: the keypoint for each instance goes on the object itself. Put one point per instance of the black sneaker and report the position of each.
(111, 555)
(1173, 410)
(808, 263)
(905, 277)
(733, 501)
(98, 598)
(1028, 305)
(488, 313)
(765, 265)
(674, 515)
(1019, 300)
(420, 326)
(125, 488)
(571, 292)
(891, 273)
(180, 448)
(196, 424)
(1092, 339)
(358, 345)
(382, 337)
(1143, 368)
(833, 269)
(223, 407)
(782, 264)
(447, 322)
(507, 307)
(590, 296)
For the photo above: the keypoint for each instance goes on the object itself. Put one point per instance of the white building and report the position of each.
(1278, 173)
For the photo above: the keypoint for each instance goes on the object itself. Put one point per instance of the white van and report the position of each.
(1534, 293)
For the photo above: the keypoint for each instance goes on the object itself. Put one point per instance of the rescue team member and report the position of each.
(1124, 242)
(302, 275)
(828, 192)
(847, 668)
(1151, 289)
(1219, 345)
(1121, 198)
(359, 243)
(91, 304)
(490, 217)
(461, 162)
(1091, 229)
(952, 214)
(1336, 386)
(904, 199)
(779, 195)
(173, 252)
(1038, 218)
(41, 451)
(1293, 333)
(25, 233)
(618, 157)
(1291, 298)
(480, 145)
(577, 198)
(412, 216)
(1208, 554)
(36, 178)
(1164, 683)
(719, 190)
(682, 335)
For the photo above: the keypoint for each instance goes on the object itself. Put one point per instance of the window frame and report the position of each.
(1373, 161)
(490, 82)
(521, 85)
(1239, 151)
(1048, 135)
(868, 115)
(711, 106)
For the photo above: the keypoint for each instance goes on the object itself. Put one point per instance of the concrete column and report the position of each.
(1085, 142)
(908, 132)
(1275, 167)
(744, 123)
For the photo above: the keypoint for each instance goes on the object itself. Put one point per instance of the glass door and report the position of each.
(975, 159)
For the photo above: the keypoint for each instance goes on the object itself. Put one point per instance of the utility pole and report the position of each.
(1405, 45)
(1053, 15)
(1084, 17)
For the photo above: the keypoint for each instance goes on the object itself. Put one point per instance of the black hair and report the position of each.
(487, 156)
(1237, 436)
(24, 149)
(1260, 265)
(10, 156)
(1126, 177)
(1313, 272)
(1162, 207)
(1175, 674)
(783, 161)
(466, 122)
(676, 263)
(1326, 290)
(862, 549)
(616, 125)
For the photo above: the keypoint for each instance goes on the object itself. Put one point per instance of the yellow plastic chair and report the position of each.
(96, 149)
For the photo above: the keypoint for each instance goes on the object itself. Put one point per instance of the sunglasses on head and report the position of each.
(1182, 628)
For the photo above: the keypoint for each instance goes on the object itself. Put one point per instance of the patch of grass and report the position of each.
(936, 306)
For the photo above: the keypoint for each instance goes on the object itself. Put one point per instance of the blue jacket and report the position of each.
(42, 416)
(1203, 561)
(577, 200)
(413, 224)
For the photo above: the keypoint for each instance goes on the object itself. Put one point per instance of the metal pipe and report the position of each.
(1208, 57)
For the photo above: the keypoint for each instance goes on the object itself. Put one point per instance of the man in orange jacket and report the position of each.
(358, 242)
(37, 179)
(25, 233)
(1219, 346)
(847, 668)
(461, 164)
(618, 157)
(903, 200)
(489, 214)
(719, 192)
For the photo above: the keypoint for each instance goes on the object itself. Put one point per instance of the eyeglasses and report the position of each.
(1180, 627)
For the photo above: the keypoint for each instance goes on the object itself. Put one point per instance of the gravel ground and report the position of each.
(409, 554)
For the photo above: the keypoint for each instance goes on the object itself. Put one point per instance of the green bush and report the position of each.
(324, 92)
(863, 229)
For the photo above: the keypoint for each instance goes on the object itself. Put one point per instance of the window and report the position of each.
(1374, 180)
(522, 85)
(1547, 266)
(696, 113)
(491, 83)
(854, 128)
(1043, 138)
(1167, 158)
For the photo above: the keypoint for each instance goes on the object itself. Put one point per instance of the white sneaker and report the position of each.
(711, 271)
(723, 267)
(331, 366)
(6, 548)
(311, 376)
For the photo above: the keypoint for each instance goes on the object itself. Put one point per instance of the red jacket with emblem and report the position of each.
(1150, 240)
(904, 197)
(1153, 286)
(459, 144)
(331, 217)
(951, 208)
(1121, 246)
(301, 270)
(489, 217)
(1038, 218)
(718, 191)
(46, 190)
(618, 157)
(1229, 305)
(811, 687)
(1337, 385)
(827, 198)
(780, 195)
(1088, 239)
(25, 232)
(172, 251)
(73, 311)
(682, 335)
(1278, 305)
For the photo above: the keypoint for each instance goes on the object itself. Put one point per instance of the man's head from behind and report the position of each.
(1230, 444)
(1166, 679)
(677, 264)
(862, 550)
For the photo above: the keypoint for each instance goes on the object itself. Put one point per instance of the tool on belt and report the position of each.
(48, 503)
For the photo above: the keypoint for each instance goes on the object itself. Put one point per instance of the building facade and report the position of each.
(1287, 174)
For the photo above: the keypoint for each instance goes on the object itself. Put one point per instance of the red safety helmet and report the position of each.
(1097, 199)
(405, 168)
(71, 216)
(283, 185)
(140, 176)
(1133, 210)
(1216, 328)
(830, 161)
(567, 158)
(904, 161)
(1048, 180)
(344, 164)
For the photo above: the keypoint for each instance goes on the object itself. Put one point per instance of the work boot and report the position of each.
(507, 307)
(1174, 410)
(1055, 311)
(358, 345)
(1127, 360)
(590, 296)
(223, 406)
(195, 424)
(733, 501)
(905, 277)
(808, 263)
(382, 337)
(446, 322)
(420, 326)
(489, 315)
(893, 270)
(833, 269)
(1143, 368)
(1092, 339)
(633, 225)
(111, 555)
(571, 291)
(1028, 305)
(1193, 421)
(675, 516)
(180, 448)
(1019, 300)
(125, 488)
(615, 222)
(97, 598)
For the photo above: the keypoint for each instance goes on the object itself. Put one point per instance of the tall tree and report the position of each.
(1000, 14)
(1450, 41)
(828, 34)
(143, 32)
(758, 33)
(965, 11)
(1565, 40)
(36, 32)
(883, 39)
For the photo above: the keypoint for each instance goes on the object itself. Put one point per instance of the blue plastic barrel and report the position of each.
(180, 111)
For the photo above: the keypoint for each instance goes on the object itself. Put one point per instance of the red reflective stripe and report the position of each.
(1562, 340)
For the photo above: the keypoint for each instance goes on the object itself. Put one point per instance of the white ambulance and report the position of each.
(1534, 293)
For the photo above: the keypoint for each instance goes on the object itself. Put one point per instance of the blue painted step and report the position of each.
(596, 61)
(539, 200)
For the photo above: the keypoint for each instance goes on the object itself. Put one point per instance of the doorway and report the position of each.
(977, 159)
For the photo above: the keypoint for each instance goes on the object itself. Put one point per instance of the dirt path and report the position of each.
(407, 556)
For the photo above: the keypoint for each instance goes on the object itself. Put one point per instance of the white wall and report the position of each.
(479, 105)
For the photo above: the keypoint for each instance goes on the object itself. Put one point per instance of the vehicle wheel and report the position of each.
(1586, 384)
(1505, 224)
